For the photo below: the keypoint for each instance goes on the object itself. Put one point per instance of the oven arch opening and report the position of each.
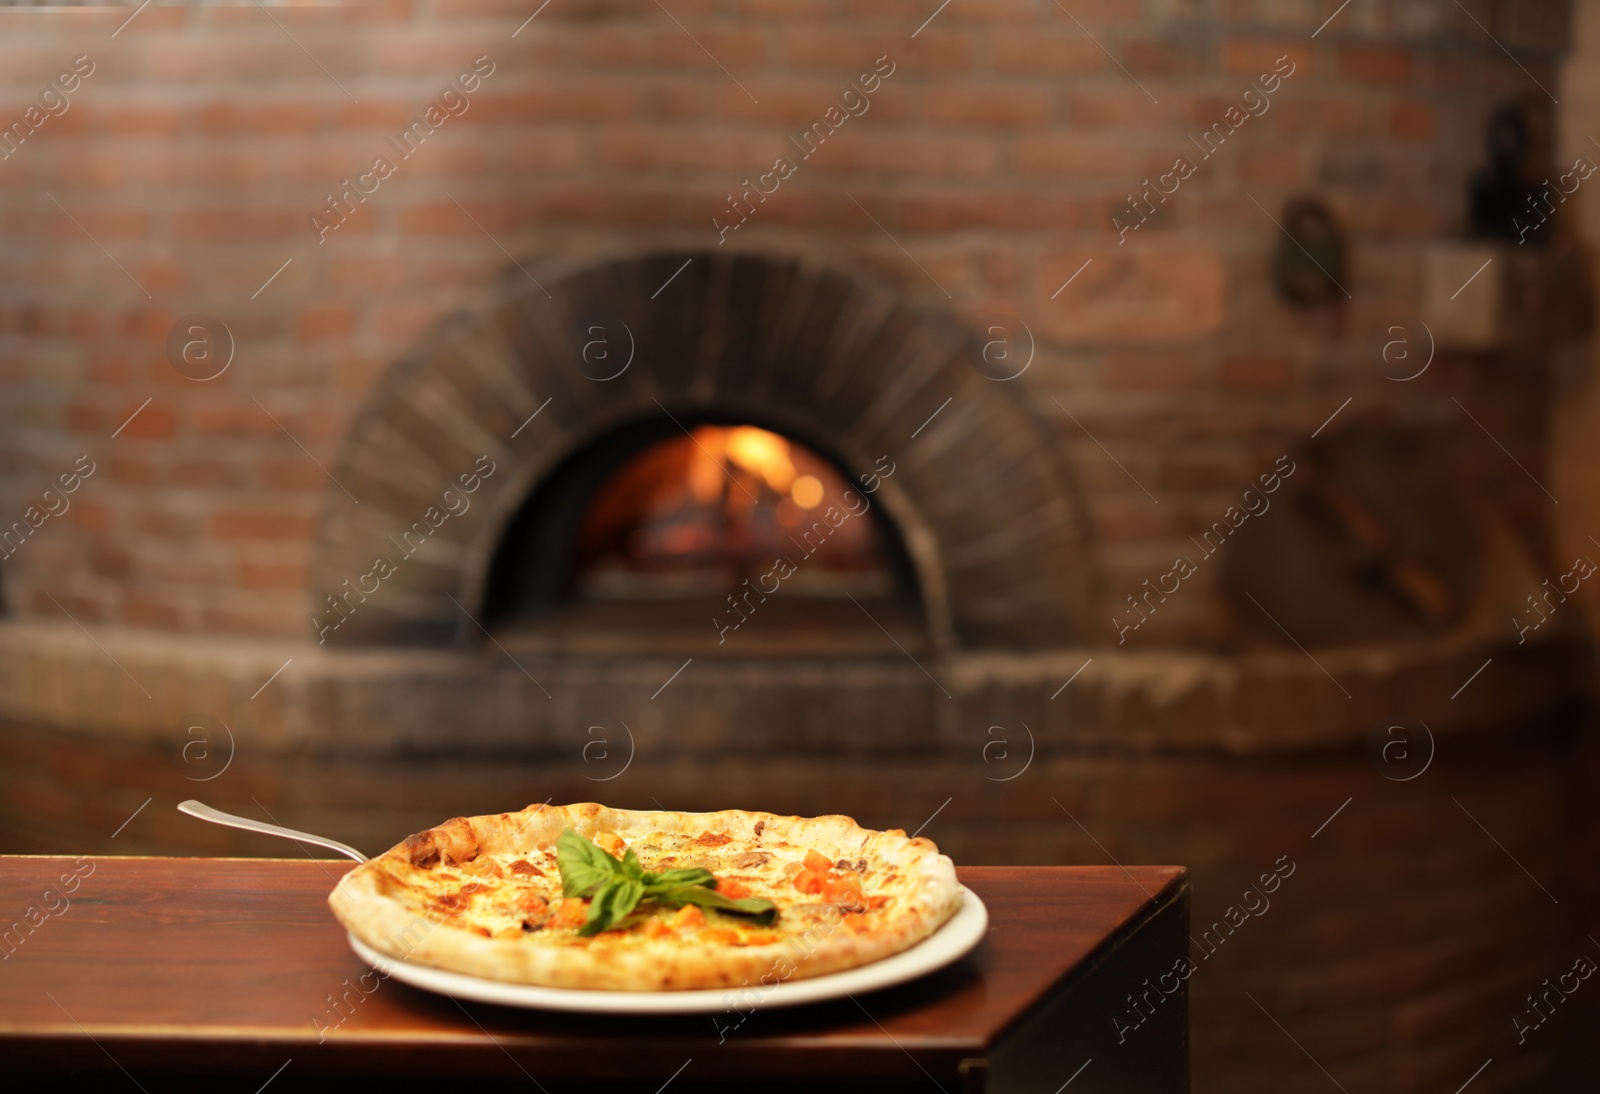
(710, 532)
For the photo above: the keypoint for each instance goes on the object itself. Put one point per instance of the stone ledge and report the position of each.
(142, 686)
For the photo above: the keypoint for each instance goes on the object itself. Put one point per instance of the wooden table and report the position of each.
(182, 974)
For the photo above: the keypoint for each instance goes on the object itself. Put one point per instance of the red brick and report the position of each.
(94, 168)
(383, 11)
(578, 100)
(990, 12)
(259, 522)
(315, 323)
(81, 608)
(1077, 156)
(1273, 164)
(796, 10)
(1330, 114)
(374, 275)
(278, 616)
(955, 210)
(636, 47)
(1376, 64)
(1118, 108)
(932, 53)
(231, 420)
(147, 322)
(231, 225)
(989, 106)
(129, 470)
(1141, 522)
(1414, 119)
(543, 149)
(129, 119)
(915, 155)
(608, 203)
(446, 218)
(90, 517)
(1259, 372)
(678, 100)
(259, 119)
(1148, 294)
(1135, 370)
(206, 474)
(403, 321)
(426, 61)
(102, 224)
(299, 474)
(453, 10)
(155, 422)
(635, 148)
(1053, 53)
(261, 575)
(1149, 57)
(159, 523)
(811, 207)
(225, 168)
(174, 60)
(1253, 58)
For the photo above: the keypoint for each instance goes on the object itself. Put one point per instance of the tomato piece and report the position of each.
(609, 841)
(843, 889)
(572, 913)
(810, 881)
(816, 862)
(731, 889)
(656, 927)
(689, 915)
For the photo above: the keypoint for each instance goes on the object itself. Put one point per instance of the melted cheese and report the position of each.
(517, 895)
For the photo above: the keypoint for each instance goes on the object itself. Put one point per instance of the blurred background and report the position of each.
(1106, 431)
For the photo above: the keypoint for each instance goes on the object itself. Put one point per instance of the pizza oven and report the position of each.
(704, 452)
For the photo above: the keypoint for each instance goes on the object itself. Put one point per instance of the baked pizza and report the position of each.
(583, 896)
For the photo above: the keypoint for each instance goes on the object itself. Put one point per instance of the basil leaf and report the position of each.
(760, 909)
(611, 904)
(584, 866)
(615, 888)
(685, 876)
(631, 867)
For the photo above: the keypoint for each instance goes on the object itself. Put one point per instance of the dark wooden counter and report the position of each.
(160, 971)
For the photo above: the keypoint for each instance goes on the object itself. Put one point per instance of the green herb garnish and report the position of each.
(616, 887)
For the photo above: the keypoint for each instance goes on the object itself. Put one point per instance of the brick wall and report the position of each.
(190, 162)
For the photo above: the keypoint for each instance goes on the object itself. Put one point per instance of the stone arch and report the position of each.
(990, 516)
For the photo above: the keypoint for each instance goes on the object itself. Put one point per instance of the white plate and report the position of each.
(949, 943)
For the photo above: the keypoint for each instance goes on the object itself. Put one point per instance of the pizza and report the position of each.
(584, 896)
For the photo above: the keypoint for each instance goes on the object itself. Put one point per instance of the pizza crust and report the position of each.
(401, 905)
